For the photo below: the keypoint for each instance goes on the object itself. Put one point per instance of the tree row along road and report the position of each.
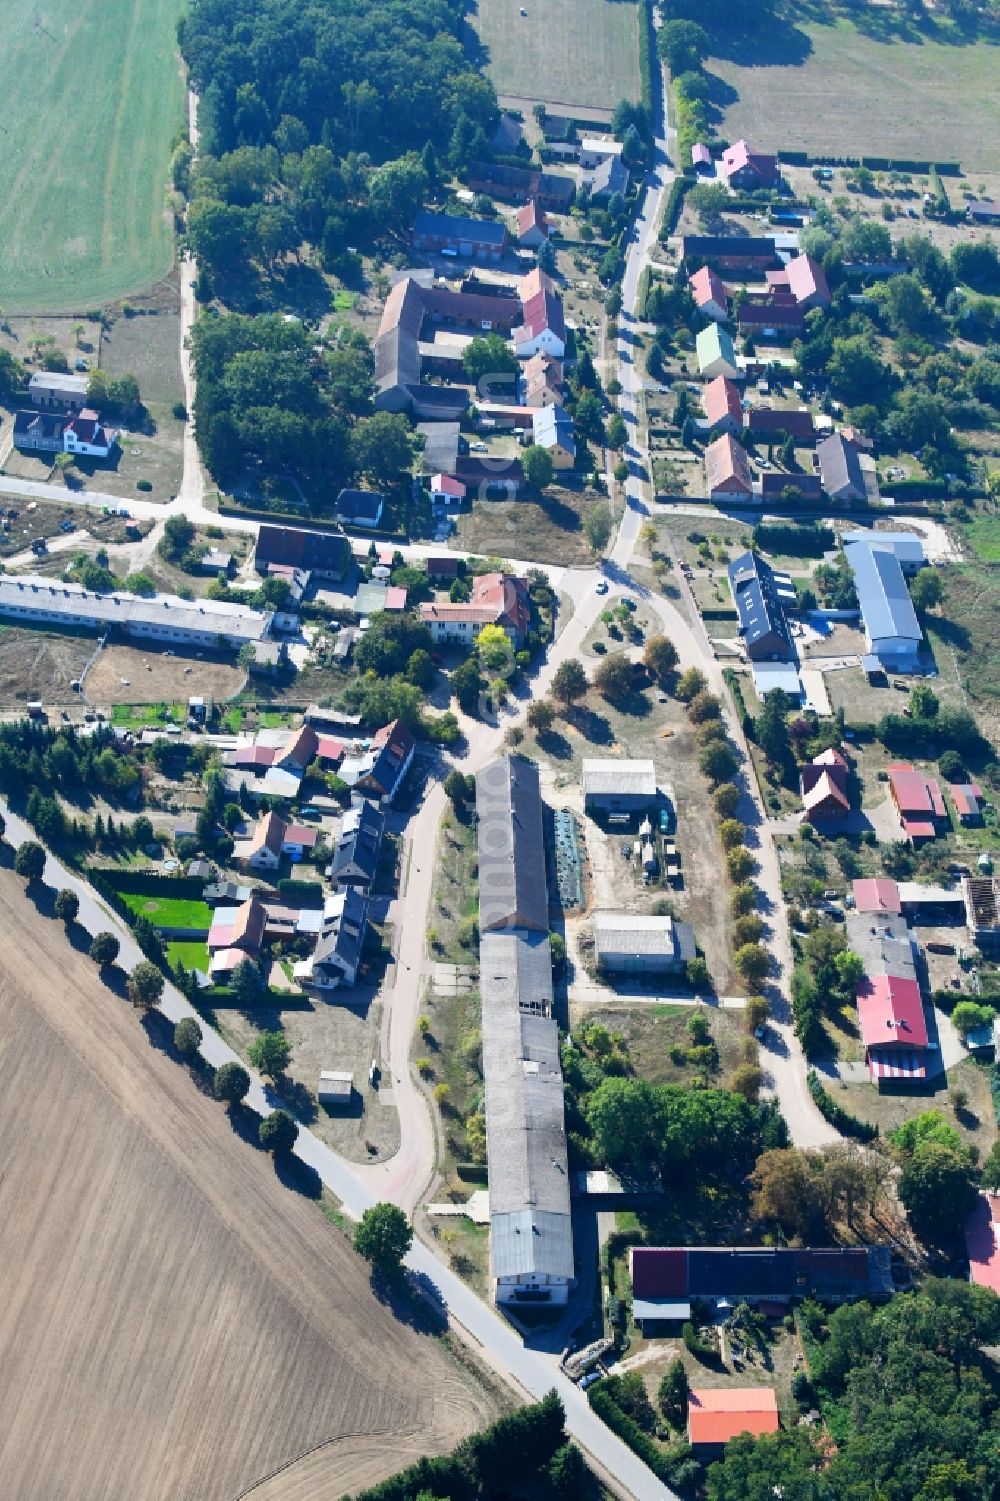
(493, 1339)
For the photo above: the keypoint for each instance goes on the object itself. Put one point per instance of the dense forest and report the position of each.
(323, 122)
(382, 76)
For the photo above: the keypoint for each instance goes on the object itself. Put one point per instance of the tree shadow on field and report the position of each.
(764, 46)
(560, 514)
(721, 96)
(591, 725)
(116, 980)
(78, 937)
(293, 1096)
(555, 745)
(952, 633)
(160, 1031)
(298, 1176)
(412, 1299)
(44, 898)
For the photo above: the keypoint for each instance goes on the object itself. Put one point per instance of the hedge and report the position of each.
(808, 541)
(842, 1120)
(873, 163)
(675, 202)
(308, 893)
(601, 1398)
(932, 488)
(149, 883)
(646, 51)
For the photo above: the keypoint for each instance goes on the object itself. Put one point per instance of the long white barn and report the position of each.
(31, 599)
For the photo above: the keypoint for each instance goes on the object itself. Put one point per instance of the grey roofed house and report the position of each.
(360, 507)
(552, 427)
(33, 599)
(338, 950)
(610, 176)
(322, 552)
(488, 233)
(513, 892)
(840, 468)
(48, 388)
(613, 785)
(441, 446)
(762, 620)
(886, 608)
(39, 430)
(531, 1234)
(226, 893)
(628, 942)
(356, 853)
(397, 347)
(882, 941)
(507, 136)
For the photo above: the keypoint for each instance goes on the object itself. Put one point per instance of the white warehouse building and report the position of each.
(33, 600)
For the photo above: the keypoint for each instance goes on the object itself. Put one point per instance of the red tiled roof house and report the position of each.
(723, 408)
(823, 785)
(709, 293)
(727, 469)
(918, 801)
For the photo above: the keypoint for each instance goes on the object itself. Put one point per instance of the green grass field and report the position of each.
(580, 53)
(191, 955)
(168, 911)
(984, 537)
(92, 98)
(857, 94)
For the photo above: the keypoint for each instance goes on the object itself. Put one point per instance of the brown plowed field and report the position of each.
(175, 1323)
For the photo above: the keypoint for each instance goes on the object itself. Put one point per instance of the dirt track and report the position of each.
(177, 1324)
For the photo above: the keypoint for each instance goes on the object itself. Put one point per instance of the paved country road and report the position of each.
(406, 1177)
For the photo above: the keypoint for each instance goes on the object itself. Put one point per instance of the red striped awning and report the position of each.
(897, 1065)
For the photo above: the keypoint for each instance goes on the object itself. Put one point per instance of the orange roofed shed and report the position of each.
(715, 1415)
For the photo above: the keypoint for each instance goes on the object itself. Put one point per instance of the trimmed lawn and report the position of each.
(93, 97)
(191, 955)
(168, 911)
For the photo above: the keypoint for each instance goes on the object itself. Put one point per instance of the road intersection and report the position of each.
(407, 1176)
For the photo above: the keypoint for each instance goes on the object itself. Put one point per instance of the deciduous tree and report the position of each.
(231, 1084)
(145, 986)
(270, 1053)
(383, 1237)
(278, 1132)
